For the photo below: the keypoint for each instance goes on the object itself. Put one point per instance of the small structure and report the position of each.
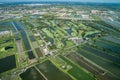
(5, 32)
(95, 11)
(76, 40)
(37, 34)
(85, 16)
(46, 51)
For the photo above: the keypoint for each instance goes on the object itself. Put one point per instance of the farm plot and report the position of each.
(87, 65)
(97, 26)
(7, 63)
(47, 67)
(109, 66)
(112, 39)
(31, 74)
(77, 72)
(101, 54)
(108, 47)
(6, 26)
(39, 52)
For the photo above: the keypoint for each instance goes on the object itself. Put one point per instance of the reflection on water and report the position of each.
(31, 74)
(7, 63)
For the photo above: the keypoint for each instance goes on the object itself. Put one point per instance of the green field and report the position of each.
(104, 63)
(77, 72)
(52, 72)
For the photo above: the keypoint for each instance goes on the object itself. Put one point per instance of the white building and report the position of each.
(46, 51)
(85, 16)
(5, 32)
(95, 11)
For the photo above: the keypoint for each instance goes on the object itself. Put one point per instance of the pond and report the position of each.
(31, 74)
(7, 63)
(69, 31)
(51, 40)
(52, 28)
(8, 47)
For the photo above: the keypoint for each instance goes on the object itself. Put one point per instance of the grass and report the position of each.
(4, 52)
(60, 63)
(97, 18)
(91, 32)
(59, 44)
(69, 44)
(48, 33)
(2, 49)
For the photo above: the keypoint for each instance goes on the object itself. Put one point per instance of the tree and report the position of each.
(83, 34)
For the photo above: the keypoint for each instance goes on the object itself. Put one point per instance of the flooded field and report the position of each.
(52, 72)
(98, 26)
(108, 47)
(5, 26)
(96, 71)
(31, 74)
(112, 39)
(82, 62)
(112, 67)
(77, 72)
(7, 63)
(104, 55)
(116, 24)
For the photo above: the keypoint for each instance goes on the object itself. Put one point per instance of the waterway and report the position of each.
(25, 40)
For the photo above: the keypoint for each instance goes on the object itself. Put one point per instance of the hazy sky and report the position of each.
(110, 1)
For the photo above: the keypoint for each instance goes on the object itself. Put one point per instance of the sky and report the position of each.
(106, 1)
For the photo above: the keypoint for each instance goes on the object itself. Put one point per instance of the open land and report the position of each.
(59, 41)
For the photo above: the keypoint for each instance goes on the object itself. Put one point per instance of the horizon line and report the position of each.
(55, 1)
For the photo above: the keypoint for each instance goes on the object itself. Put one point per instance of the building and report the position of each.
(5, 32)
(95, 11)
(85, 16)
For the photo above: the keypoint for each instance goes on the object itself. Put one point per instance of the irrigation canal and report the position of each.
(25, 39)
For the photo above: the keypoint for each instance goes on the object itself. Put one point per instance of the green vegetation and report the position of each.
(47, 67)
(44, 36)
(7, 41)
(100, 61)
(77, 72)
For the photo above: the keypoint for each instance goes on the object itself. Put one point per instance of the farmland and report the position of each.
(59, 42)
(46, 68)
